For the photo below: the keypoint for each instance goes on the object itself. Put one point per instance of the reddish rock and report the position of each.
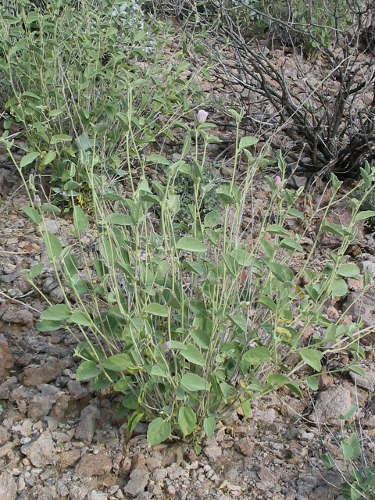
(69, 458)
(94, 465)
(42, 374)
(6, 358)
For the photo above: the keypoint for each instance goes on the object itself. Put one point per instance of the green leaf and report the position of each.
(366, 214)
(212, 219)
(192, 382)
(158, 431)
(312, 357)
(282, 273)
(120, 220)
(50, 208)
(80, 318)
(87, 370)
(187, 420)
(257, 355)
(192, 354)
(189, 244)
(291, 244)
(58, 312)
(339, 288)
(118, 362)
(49, 326)
(295, 213)
(277, 380)
(159, 159)
(159, 371)
(348, 414)
(48, 158)
(80, 220)
(55, 139)
(157, 310)
(134, 419)
(242, 257)
(29, 158)
(246, 408)
(53, 245)
(35, 271)
(348, 271)
(209, 425)
(32, 214)
(313, 382)
(351, 447)
(248, 141)
(330, 227)
(277, 229)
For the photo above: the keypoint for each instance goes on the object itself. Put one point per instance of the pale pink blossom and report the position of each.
(202, 116)
(277, 180)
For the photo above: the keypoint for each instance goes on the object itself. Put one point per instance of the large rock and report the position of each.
(8, 487)
(94, 465)
(137, 483)
(86, 427)
(330, 404)
(42, 374)
(6, 358)
(42, 451)
(361, 306)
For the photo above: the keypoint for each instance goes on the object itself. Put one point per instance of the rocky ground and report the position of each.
(60, 440)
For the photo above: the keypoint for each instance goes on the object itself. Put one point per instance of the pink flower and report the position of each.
(277, 180)
(202, 116)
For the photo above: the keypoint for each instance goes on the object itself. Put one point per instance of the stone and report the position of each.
(76, 389)
(78, 492)
(213, 451)
(361, 306)
(367, 380)
(7, 387)
(137, 483)
(369, 266)
(8, 487)
(52, 226)
(97, 495)
(330, 404)
(94, 465)
(4, 436)
(6, 358)
(245, 446)
(69, 458)
(42, 374)
(86, 427)
(19, 316)
(42, 451)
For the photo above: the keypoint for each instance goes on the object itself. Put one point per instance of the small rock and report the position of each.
(94, 465)
(330, 404)
(69, 458)
(361, 306)
(42, 451)
(4, 436)
(78, 492)
(7, 387)
(86, 427)
(213, 451)
(52, 226)
(97, 495)
(244, 446)
(369, 266)
(367, 380)
(137, 482)
(42, 374)
(8, 487)
(76, 389)
(19, 317)
(6, 358)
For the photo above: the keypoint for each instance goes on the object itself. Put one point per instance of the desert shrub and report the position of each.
(183, 326)
(73, 74)
(322, 115)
